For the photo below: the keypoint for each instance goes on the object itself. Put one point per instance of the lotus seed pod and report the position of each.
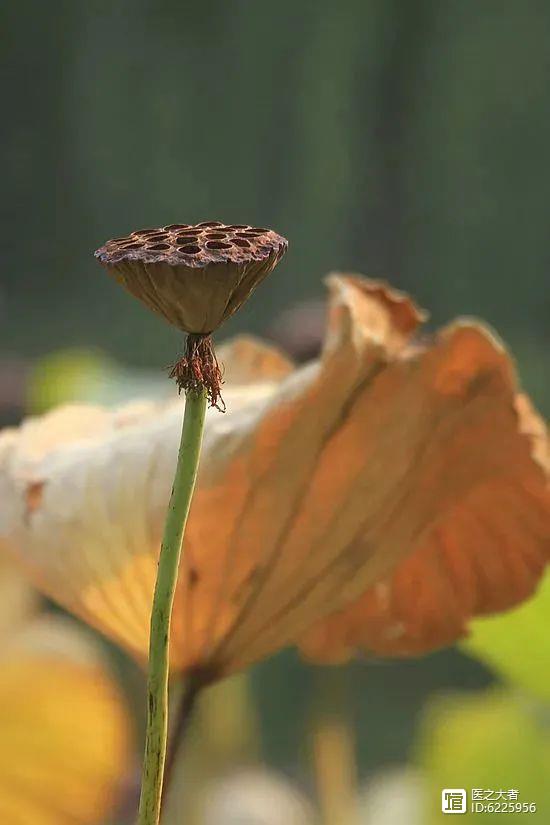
(194, 276)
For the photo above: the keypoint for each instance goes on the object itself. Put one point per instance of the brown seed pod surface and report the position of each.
(195, 276)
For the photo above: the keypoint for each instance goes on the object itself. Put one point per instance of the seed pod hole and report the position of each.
(217, 245)
(160, 238)
(190, 249)
(183, 239)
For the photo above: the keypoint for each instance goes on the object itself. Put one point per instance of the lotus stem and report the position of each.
(167, 576)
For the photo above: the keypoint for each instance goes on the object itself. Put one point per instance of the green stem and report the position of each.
(167, 576)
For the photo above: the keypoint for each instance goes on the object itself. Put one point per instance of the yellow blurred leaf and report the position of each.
(65, 742)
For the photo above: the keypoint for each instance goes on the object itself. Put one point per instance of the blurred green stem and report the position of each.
(182, 713)
(334, 749)
(167, 575)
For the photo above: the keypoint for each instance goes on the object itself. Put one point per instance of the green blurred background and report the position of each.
(403, 140)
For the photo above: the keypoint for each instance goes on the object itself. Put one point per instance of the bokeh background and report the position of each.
(407, 141)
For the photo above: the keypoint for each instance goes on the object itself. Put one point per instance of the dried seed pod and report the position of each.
(195, 277)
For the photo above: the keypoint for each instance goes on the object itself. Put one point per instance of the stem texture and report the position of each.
(167, 575)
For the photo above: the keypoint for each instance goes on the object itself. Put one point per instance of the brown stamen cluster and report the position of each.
(195, 277)
(198, 369)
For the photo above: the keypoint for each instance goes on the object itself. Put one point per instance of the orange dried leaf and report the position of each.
(486, 550)
(319, 485)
